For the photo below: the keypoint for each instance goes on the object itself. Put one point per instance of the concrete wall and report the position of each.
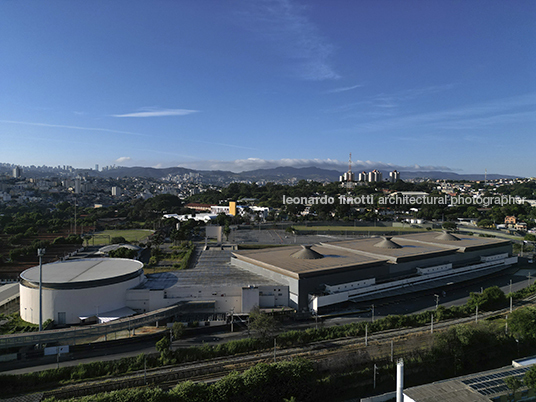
(250, 298)
(350, 285)
(227, 298)
(458, 258)
(73, 302)
(290, 282)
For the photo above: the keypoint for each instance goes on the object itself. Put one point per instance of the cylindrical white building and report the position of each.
(78, 288)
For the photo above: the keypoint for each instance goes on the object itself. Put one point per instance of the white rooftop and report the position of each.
(83, 270)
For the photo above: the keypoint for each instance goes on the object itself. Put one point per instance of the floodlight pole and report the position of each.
(40, 254)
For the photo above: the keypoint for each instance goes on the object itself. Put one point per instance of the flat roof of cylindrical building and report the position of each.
(83, 273)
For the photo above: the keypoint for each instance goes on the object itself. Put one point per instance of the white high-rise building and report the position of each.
(375, 176)
(77, 185)
(17, 172)
(394, 176)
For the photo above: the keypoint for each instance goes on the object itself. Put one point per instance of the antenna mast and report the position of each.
(349, 175)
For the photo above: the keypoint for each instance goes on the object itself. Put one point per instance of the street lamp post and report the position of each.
(40, 254)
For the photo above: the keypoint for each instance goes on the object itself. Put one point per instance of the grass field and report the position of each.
(357, 229)
(130, 235)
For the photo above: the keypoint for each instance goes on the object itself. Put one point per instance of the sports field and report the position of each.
(131, 235)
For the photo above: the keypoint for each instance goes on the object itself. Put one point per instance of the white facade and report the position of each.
(78, 288)
(237, 298)
(65, 306)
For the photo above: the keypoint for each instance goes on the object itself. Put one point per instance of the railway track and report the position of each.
(214, 369)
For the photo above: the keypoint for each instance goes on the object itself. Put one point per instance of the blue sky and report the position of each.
(238, 85)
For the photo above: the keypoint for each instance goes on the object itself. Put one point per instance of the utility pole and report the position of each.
(375, 369)
(40, 254)
(476, 316)
(373, 313)
(366, 334)
(436, 301)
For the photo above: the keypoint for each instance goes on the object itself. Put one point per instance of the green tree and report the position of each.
(118, 240)
(522, 323)
(226, 230)
(513, 383)
(485, 223)
(263, 324)
(530, 237)
(178, 330)
(492, 298)
(449, 226)
(530, 378)
(164, 347)
(123, 252)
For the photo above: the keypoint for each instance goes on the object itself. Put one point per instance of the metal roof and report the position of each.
(82, 272)
(465, 242)
(474, 387)
(280, 259)
(409, 250)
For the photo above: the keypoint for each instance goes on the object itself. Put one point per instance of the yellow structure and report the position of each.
(232, 208)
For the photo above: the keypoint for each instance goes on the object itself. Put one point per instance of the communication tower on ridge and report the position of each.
(348, 178)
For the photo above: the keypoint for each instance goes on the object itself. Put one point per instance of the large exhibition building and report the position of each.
(335, 272)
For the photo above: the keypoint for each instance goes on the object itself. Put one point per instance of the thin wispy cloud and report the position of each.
(107, 130)
(390, 100)
(343, 89)
(286, 27)
(123, 159)
(157, 113)
(503, 111)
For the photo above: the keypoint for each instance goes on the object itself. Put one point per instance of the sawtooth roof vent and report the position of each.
(387, 243)
(447, 236)
(306, 253)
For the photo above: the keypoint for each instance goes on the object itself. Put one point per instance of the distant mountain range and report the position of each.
(284, 173)
(278, 174)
